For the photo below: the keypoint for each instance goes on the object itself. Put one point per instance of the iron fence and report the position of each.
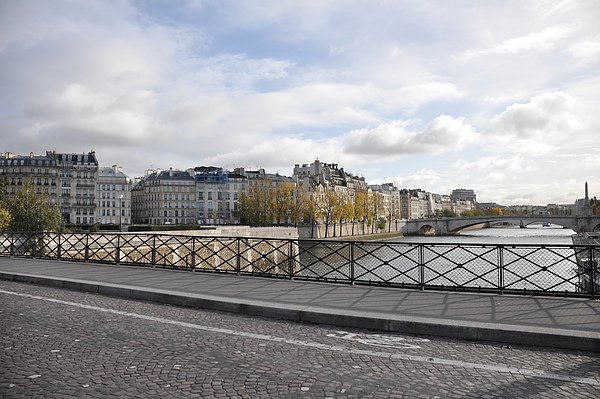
(566, 270)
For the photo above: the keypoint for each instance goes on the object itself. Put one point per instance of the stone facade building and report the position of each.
(164, 197)
(113, 197)
(68, 180)
(218, 194)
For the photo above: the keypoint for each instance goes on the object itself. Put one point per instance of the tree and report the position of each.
(328, 208)
(360, 207)
(5, 217)
(375, 208)
(32, 212)
(296, 206)
(3, 185)
(444, 213)
(473, 212)
(256, 207)
(311, 212)
(283, 202)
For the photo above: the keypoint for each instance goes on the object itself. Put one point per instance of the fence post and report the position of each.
(501, 269)
(154, 250)
(59, 249)
(422, 265)
(238, 260)
(193, 257)
(118, 250)
(12, 245)
(592, 263)
(352, 275)
(291, 258)
(32, 239)
(86, 256)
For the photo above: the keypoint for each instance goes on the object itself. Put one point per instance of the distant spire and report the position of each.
(586, 192)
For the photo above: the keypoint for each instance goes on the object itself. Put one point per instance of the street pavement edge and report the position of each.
(460, 329)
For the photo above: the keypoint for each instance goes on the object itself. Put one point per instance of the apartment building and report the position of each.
(390, 196)
(319, 177)
(68, 180)
(461, 194)
(40, 170)
(113, 197)
(164, 197)
(77, 173)
(328, 174)
(218, 193)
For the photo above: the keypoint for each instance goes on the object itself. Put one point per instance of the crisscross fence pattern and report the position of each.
(566, 270)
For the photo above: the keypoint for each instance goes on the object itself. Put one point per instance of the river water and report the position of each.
(500, 235)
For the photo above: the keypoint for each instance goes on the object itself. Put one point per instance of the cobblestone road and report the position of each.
(59, 343)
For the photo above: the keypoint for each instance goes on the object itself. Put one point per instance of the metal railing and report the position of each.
(566, 270)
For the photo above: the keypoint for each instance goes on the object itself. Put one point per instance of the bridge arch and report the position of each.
(442, 226)
(427, 230)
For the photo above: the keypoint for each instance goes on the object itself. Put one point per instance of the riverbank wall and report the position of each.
(352, 229)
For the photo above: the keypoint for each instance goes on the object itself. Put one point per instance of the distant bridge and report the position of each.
(444, 226)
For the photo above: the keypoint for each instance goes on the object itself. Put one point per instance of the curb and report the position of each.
(460, 329)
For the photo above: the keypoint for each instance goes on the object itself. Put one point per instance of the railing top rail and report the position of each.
(328, 241)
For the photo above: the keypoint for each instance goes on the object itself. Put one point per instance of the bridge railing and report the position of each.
(566, 270)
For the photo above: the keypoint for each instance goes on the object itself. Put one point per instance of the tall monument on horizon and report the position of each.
(587, 207)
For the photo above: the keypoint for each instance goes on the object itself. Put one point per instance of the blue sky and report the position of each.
(498, 96)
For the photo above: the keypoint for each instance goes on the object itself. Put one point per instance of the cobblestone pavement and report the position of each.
(60, 343)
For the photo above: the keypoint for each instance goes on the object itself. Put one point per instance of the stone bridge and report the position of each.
(444, 226)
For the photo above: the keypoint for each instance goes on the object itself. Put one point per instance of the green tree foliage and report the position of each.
(446, 213)
(266, 205)
(360, 205)
(283, 197)
(474, 212)
(298, 206)
(32, 212)
(5, 217)
(3, 186)
(381, 223)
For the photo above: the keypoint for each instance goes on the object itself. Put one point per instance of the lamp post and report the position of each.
(120, 211)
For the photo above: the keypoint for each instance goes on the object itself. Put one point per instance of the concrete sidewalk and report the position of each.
(553, 322)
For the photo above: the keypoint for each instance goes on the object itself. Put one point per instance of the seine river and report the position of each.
(504, 235)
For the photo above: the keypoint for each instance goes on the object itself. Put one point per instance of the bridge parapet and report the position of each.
(445, 226)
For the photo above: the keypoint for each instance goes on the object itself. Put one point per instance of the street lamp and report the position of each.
(120, 212)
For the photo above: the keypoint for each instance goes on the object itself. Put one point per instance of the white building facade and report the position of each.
(113, 197)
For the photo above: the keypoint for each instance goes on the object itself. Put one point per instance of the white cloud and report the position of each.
(494, 164)
(395, 138)
(536, 41)
(536, 126)
(588, 50)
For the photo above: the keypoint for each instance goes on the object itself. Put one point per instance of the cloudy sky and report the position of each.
(499, 96)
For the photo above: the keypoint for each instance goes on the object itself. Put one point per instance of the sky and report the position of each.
(497, 96)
